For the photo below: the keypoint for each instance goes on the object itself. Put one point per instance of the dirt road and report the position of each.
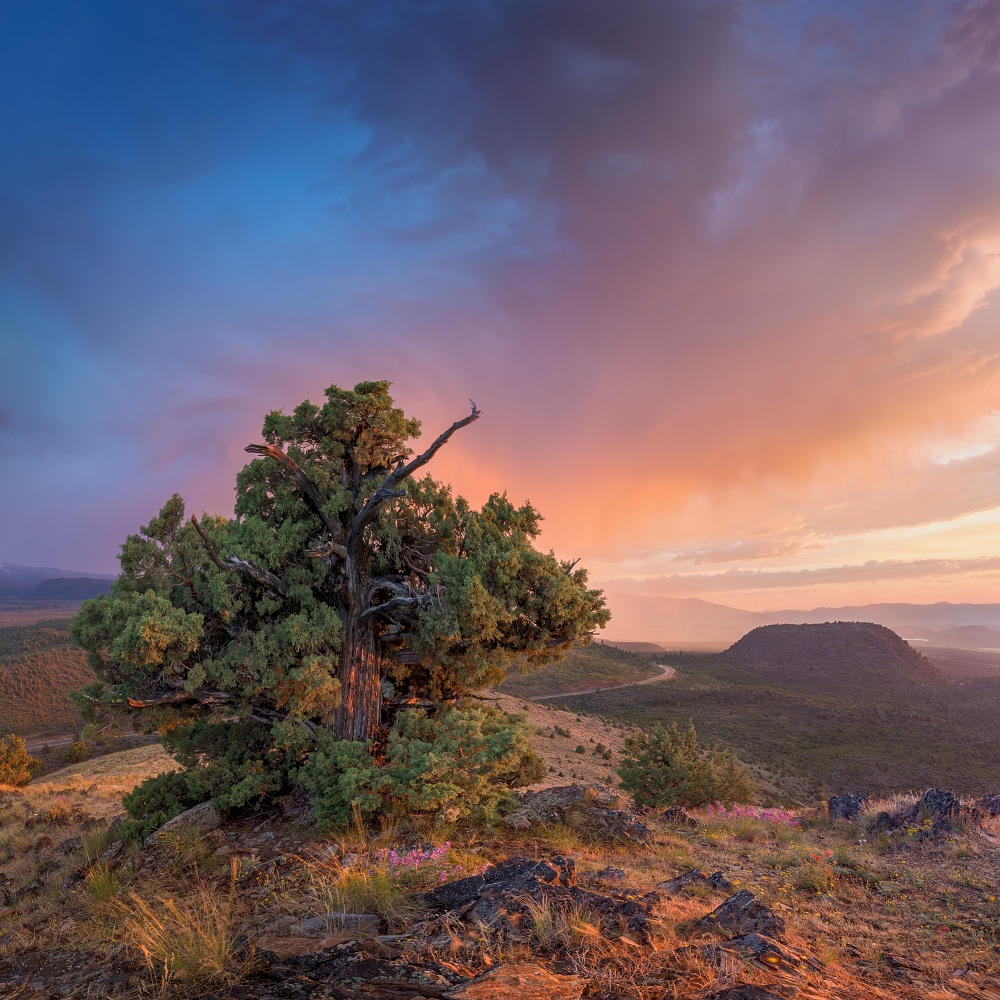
(667, 673)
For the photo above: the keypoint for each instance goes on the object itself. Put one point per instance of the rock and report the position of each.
(329, 923)
(937, 804)
(587, 807)
(454, 894)
(882, 823)
(846, 806)
(70, 846)
(203, 817)
(745, 992)
(610, 874)
(989, 805)
(682, 881)
(511, 887)
(742, 914)
(694, 877)
(515, 870)
(525, 981)
(719, 881)
(678, 817)
(761, 948)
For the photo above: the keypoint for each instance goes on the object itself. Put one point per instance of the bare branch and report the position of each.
(310, 493)
(388, 491)
(246, 567)
(569, 566)
(390, 605)
(180, 697)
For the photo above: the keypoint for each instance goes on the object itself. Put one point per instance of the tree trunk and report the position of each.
(360, 675)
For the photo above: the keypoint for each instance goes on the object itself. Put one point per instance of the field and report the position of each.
(878, 740)
(584, 669)
(38, 665)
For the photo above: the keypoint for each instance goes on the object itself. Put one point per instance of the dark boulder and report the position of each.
(846, 806)
(989, 805)
(678, 817)
(742, 914)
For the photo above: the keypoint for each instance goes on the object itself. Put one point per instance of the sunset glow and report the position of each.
(724, 277)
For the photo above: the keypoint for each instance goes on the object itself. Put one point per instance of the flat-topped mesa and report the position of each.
(833, 654)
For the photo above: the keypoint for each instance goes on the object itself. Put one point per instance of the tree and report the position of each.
(17, 766)
(345, 590)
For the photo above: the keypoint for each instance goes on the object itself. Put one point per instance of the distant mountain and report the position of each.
(833, 655)
(20, 581)
(61, 589)
(675, 622)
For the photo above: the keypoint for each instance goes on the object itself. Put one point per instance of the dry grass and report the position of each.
(193, 941)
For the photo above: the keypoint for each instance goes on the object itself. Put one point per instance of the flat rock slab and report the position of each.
(203, 817)
(523, 982)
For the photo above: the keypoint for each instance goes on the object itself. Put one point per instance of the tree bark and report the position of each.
(360, 675)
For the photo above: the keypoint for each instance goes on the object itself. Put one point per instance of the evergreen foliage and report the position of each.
(667, 767)
(298, 637)
(455, 764)
(17, 766)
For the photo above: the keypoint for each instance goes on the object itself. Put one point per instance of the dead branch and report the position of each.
(246, 567)
(310, 493)
(179, 698)
(388, 491)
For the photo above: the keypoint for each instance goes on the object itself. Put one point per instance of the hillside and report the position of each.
(69, 589)
(583, 669)
(38, 666)
(831, 655)
(801, 906)
(872, 737)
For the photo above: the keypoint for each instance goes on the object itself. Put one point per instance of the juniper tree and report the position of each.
(346, 589)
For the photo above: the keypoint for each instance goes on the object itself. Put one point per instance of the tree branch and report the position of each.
(388, 491)
(245, 567)
(180, 697)
(310, 493)
(395, 602)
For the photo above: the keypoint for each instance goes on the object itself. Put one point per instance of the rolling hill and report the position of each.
(831, 655)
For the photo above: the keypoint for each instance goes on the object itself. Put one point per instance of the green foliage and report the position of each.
(667, 767)
(17, 766)
(231, 763)
(451, 765)
(876, 739)
(76, 752)
(242, 638)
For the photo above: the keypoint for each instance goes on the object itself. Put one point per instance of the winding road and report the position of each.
(667, 673)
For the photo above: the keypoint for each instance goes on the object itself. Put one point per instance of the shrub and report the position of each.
(667, 767)
(76, 752)
(451, 765)
(17, 766)
(231, 763)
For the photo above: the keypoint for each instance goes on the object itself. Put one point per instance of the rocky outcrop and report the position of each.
(694, 877)
(742, 914)
(938, 813)
(503, 897)
(595, 810)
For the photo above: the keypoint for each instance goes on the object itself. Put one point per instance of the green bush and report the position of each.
(667, 767)
(232, 763)
(17, 766)
(76, 752)
(455, 764)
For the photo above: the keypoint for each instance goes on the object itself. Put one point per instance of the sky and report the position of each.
(722, 275)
